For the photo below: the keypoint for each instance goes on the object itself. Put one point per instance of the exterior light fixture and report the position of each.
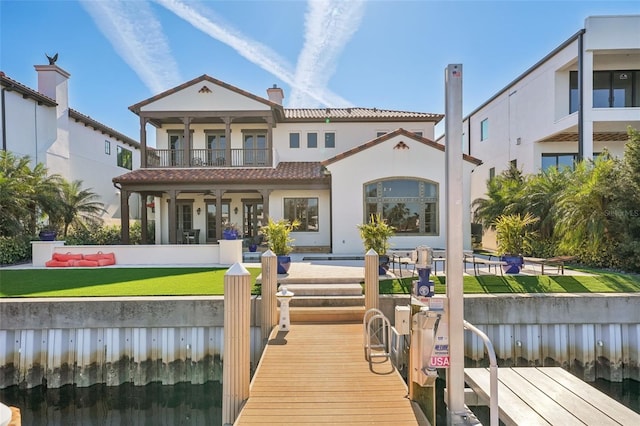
(198, 210)
(235, 210)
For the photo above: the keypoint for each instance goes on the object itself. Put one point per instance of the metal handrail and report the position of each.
(369, 316)
(493, 373)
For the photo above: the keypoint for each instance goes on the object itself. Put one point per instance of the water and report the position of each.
(126, 405)
(185, 404)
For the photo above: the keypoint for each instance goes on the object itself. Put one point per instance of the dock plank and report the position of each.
(317, 374)
(548, 395)
(512, 412)
(609, 406)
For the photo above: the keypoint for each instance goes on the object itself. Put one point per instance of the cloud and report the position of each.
(254, 51)
(137, 36)
(329, 24)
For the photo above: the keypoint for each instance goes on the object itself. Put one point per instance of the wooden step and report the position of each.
(332, 314)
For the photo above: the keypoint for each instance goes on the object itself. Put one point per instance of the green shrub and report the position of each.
(14, 250)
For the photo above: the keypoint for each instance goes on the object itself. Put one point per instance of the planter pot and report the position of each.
(253, 248)
(47, 235)
(229, 235)
(514, 264)
(284, 262)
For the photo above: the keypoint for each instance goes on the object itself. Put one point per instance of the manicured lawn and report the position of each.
(604, 282)
(208, 281)
(115, 282)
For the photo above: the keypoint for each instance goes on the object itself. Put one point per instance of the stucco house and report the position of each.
(223, 156)
(41, 124)
(573, 103)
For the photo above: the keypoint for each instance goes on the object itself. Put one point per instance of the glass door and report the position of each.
(253, 219)
(212, 235)
(184, 219)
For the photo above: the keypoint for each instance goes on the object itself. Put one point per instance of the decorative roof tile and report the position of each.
(12, 84)
(285, 171)
(357, 114)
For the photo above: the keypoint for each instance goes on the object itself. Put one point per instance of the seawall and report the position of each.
(85, 341)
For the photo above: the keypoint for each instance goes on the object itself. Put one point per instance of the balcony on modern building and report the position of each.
(222, 158)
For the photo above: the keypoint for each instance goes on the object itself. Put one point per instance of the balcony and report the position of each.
(169, 158)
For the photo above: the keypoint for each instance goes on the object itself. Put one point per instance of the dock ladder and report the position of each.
(377, 334)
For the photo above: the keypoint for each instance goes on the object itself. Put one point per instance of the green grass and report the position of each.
(116, 282)
(601, 282)
(210, 282)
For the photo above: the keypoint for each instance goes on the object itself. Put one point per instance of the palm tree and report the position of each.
(582, 216)
(13, 184)
(539, 195)
(504, 196)
(80, 206)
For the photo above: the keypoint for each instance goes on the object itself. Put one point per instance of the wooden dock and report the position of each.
(548, 396)
(317, 374)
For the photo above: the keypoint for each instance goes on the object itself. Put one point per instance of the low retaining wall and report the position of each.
(226, 252)
(85, 341)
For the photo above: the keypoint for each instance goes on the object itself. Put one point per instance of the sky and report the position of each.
(324, 53)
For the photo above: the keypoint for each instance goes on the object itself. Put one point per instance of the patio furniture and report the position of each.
(557, 261)
(478, 261)
(191, 236)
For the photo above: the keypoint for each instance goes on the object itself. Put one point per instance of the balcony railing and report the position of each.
(165, 158)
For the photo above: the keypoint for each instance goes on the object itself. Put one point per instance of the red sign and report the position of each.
(439, 361)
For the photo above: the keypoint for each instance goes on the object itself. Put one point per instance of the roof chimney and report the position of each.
(276, 94)
(53, 82)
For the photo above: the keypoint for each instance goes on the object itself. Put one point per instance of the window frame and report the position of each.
(427, 202)
(293, 145)
(304, 221)
(122, 162)
(326, 140)
(484, 129)
(312, 143)
(107, 147)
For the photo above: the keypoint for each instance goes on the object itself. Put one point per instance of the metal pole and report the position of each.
(454, 241)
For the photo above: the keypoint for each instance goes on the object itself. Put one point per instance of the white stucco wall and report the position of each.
(30, 128)
(383, 161)
(537, 106)
(193, 99)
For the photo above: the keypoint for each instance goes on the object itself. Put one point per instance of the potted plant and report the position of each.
(375, 235)
(279, 241)
(514, 237)
(230, 232)
(48, 233)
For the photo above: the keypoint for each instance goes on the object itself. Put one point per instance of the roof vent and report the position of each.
(204, 89)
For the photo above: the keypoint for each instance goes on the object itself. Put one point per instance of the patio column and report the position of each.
(143, 142)
(124, 215)
(173, 232)
(187, 142)
(144, 219)
(269, 141)
(265, 201)
(218, 194)
(227, 138)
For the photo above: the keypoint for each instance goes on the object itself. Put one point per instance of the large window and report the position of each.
(411, 205)
(125, 158)
(611, 89)
(303, 209)
(484, 129)
(558, 160)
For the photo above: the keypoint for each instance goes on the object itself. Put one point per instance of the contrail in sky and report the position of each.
(137, 36)
(329, 25)
(252, 50)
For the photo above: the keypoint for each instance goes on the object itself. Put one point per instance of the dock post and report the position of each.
(371, 280)
(236, 362)
(269, 305)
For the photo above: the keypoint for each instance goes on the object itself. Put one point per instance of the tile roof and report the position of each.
(12, 84)
(597, 137)
(285, 171)
(390, 135)
(357, 114)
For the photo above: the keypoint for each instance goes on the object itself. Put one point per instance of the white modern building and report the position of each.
(225, 156)
(41, 124)
(574, 103)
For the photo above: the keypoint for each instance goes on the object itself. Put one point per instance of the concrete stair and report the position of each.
(321, 302)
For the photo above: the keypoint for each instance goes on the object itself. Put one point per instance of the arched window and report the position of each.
(411, 205)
